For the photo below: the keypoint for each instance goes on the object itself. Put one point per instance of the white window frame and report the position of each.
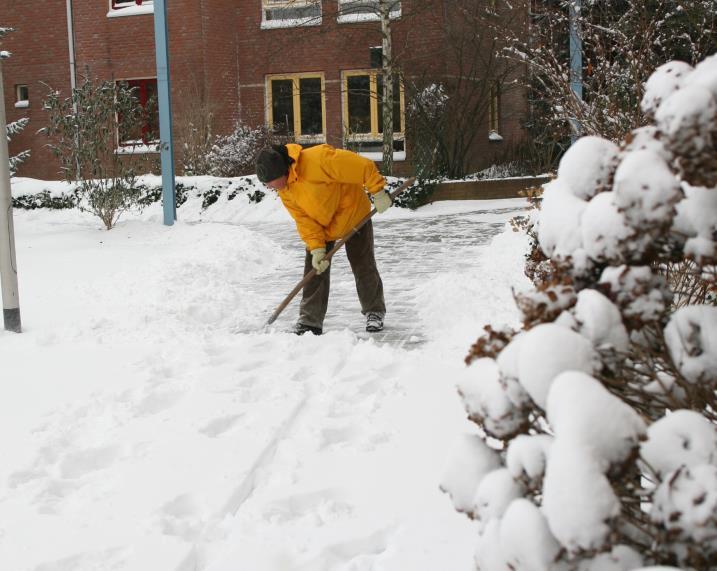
(295, 77)
(266, 5)
(375, 136)
(21, 103)
(371, 16)
(147, 7)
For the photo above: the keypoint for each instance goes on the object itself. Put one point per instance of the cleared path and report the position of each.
(408, 250)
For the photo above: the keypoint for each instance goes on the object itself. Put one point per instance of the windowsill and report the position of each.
(142, 149)
(366, 17)
(311, 140)
(378, 157)
(131, 11)
(22, 104)
(295, 23)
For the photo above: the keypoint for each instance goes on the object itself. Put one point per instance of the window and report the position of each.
(362, 116)
(361, 10)
(494, 113)
(287, 13)
(297, 107)
(130, 7)
(22, 96)
(117, 4)
(145, 93)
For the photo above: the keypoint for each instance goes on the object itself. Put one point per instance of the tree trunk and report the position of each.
(387, 103)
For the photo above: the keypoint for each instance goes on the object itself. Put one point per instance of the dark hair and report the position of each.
(272, 163)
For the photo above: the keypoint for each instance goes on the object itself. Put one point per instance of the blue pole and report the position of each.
(576, 60)
(164, 97)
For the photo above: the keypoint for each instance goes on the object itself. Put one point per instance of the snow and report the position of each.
(705, 75)
(587, 166)
(546, 351)
(559, 230)
(639, 293)
(697, 219)
(647, 138)
(620, 558)
(604, 229)
(681, 438)
(140, 431)
(685, 503)
(496, 491)
(691, 336)
(663, 82)
(578, 500)
(689, 113)
(470, 460)
(577, 403)
(599, 320)
(525, 540)
(487, 401)
(645, 189)
(527, 455)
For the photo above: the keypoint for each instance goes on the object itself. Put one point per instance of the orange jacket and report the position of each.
(325, 191)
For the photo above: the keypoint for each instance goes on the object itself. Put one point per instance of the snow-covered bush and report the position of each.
(597, 442)
(234, 154)
(83, 130)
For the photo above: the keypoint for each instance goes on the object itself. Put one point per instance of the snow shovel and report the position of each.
(333, 250)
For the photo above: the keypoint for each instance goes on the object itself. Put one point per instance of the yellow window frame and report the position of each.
(374, 135)
(494, 108)
(296, 104)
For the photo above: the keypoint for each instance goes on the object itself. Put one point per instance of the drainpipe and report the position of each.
(71, 45)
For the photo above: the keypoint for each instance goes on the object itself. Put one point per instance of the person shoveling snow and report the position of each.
(324, 190)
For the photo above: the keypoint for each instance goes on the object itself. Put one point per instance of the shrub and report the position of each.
(233, 155)
(597, 446)
(83, 130)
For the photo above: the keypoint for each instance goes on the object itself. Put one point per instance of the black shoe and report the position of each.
(300, 329)
(374, 322)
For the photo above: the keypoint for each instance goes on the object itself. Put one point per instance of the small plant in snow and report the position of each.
(84, 130)
(597, 441)
(233, 155)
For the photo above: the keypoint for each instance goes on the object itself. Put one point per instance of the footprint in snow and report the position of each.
(158, 401)
(182, 517)
(220, 425)
(322, 506)
(77, 464)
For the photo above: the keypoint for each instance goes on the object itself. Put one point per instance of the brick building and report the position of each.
(304, 67)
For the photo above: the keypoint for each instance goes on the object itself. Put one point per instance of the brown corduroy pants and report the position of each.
(359, 250)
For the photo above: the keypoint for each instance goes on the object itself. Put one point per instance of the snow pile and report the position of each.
(600, 412)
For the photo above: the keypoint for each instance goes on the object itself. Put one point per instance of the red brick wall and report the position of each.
(220, 55)
(39, 53)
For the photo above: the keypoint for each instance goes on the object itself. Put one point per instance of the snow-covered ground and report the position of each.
(140, 431)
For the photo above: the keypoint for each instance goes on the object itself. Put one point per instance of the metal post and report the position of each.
(73, 76)
(8, 264)
(576, 60)
(166, 146)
